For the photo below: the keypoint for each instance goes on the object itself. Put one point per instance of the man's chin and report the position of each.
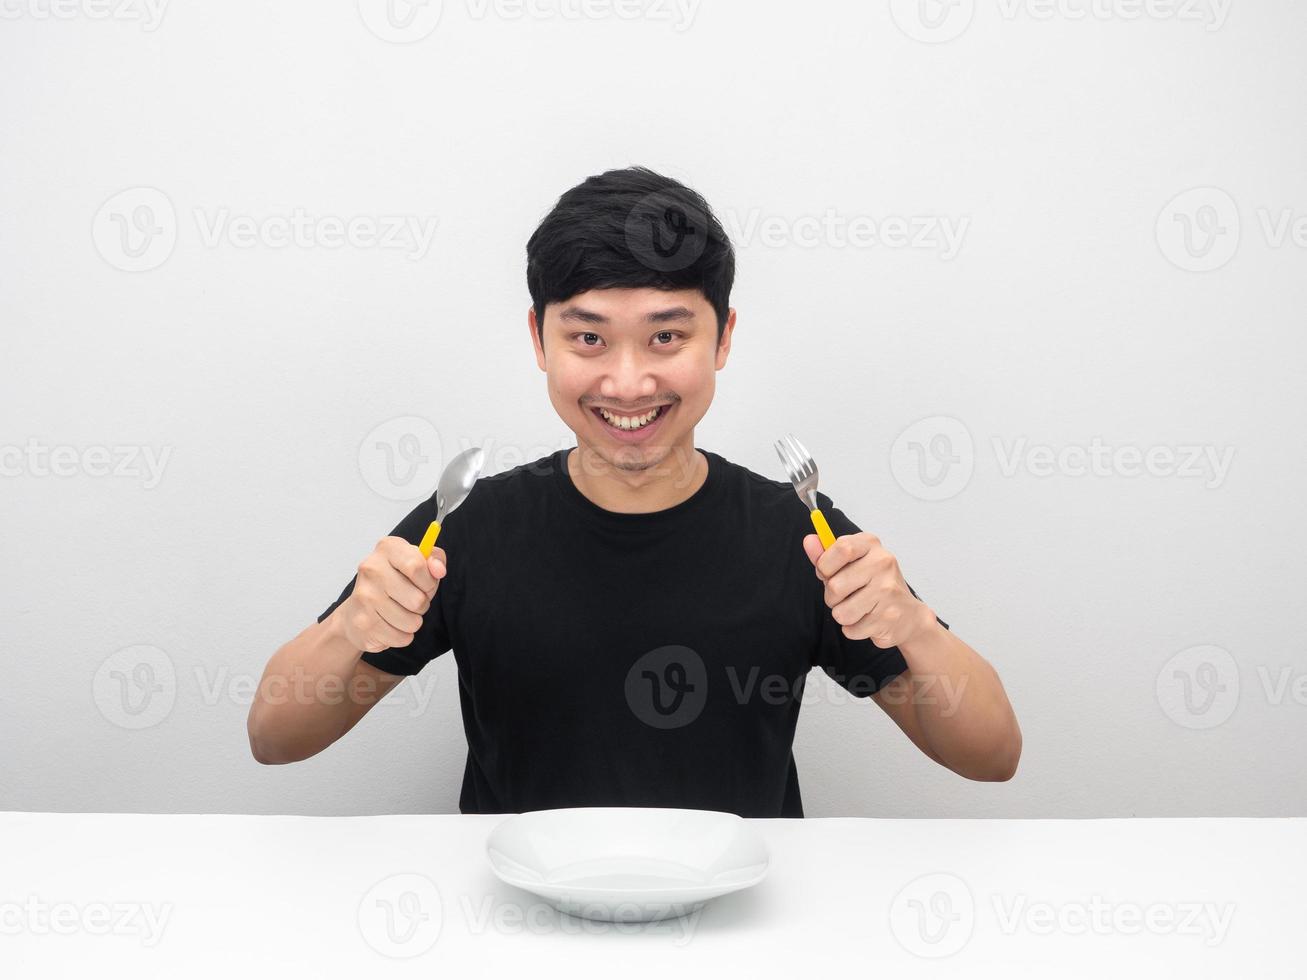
(632, 458)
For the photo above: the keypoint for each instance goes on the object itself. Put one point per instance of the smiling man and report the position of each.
(635, 443)
(634, 619)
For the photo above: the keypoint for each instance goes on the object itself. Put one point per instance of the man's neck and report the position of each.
(671, 480)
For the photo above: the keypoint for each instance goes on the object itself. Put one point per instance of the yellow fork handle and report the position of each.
(429, 539)
(823, 529)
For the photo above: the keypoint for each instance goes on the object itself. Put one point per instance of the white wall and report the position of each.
(1070, 309)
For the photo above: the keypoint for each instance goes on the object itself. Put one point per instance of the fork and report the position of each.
(802, 471)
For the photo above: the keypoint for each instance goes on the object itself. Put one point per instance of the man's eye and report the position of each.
(661, 333)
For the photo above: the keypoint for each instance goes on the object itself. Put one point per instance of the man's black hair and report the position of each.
(629, 228)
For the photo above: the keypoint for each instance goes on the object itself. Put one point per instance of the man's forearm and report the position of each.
(963, 711)
(305, 700)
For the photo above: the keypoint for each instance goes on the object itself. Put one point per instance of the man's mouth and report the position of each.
(630, 423)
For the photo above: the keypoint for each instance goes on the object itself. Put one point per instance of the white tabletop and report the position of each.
(141, 895)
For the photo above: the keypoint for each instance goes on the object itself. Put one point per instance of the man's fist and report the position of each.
(392, 592)
(865, 590)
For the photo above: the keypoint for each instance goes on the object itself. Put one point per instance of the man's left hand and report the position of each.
(865, 590)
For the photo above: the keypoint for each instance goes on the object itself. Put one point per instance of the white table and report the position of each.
(140, 895)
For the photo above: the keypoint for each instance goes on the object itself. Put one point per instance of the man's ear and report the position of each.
(724, 348)
(537, 339)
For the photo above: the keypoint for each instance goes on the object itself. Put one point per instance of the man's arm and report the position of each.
(950, 701)
(951, 704)
(317, 686)
(314, 690)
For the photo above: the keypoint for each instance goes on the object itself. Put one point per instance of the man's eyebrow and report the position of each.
(577, 314)
(670, 315)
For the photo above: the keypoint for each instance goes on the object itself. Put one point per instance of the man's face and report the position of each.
(628, 350)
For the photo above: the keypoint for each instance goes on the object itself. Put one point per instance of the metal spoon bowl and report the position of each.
(455, 484)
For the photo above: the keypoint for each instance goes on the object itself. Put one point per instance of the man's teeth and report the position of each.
(623, 422)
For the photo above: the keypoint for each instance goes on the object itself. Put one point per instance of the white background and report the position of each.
(1143, 620)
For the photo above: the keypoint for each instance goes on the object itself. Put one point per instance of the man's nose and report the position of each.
(631, 378)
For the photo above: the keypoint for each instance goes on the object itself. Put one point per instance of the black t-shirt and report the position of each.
(610, 659)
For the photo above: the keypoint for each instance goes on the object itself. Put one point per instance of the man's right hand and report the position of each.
(392, 592)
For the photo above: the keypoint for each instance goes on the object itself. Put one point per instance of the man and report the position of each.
(633, 619)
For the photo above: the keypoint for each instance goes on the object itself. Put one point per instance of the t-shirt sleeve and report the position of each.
(432, 638)
(859, 666)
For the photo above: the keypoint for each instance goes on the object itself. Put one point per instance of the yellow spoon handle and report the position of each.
(429, 539)
(823, 529)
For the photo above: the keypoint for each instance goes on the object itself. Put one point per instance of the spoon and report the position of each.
(455, 484)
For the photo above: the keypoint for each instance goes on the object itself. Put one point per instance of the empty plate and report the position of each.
(627, 864)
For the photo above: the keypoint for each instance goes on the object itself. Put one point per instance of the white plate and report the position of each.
(628, 864)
